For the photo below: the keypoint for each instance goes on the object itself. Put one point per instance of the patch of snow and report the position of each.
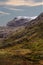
(25, 17)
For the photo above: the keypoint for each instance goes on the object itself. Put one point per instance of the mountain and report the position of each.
(24, 46)
(19, 21)
(15, 24)
(34, 29)
(32, 32)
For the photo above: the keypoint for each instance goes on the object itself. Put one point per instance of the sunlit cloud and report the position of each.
(22, 2)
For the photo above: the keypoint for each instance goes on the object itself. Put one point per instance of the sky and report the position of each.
(12, 8)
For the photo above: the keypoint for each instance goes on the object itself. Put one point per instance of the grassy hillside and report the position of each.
(25, 47)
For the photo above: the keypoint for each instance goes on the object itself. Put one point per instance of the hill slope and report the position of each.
(33, 30)
(26, 45)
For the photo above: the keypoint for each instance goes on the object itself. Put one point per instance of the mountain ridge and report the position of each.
(19, 21)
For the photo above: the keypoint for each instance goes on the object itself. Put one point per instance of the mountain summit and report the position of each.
(19, 21)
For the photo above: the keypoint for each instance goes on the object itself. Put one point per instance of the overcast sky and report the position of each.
(12, 8)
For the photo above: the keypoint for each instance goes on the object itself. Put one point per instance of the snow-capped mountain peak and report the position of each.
(20, 21)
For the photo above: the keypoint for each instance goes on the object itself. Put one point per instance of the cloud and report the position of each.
(4, 13)
(22, 2)
(11, 8)
(38, 0)
(34, 0)
(3, 0)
